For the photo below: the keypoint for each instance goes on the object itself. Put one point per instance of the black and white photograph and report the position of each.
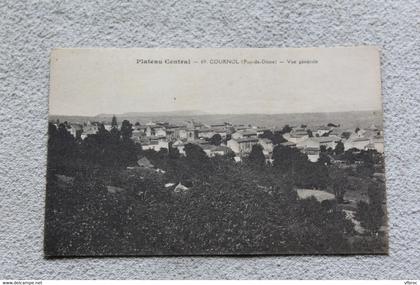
(182, 152)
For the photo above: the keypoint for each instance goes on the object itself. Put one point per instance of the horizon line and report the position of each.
(202, 113)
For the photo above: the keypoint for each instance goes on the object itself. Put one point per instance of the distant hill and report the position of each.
(346, 120)
(154, 114)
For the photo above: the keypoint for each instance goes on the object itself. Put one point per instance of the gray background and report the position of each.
(28, 31)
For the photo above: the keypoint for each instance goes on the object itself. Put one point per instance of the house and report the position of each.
(267, 145)
(317, 194)
(239, 127)
(299, 130)
(108, 127)
(317, 142)
(179, 144)
(191, 124)
(205, 132)
(92, 127)
(261, 131)
(359, 143)
(152, 145)
(368, 133)
(200, 142)
(160, 132)
(75, 130)
(242, 146)
(179, 188)
(246, 133)
(221, 150)
(155, 144)
(182, 133)
(139, 129)
(336, 132)
(175, 132)
(237, 135)
(192, 134)
(237, 159)
(171, 133)
(89, 129)
(288, 144)
(249, 133)
(137, 135)
(378, 143)
(212, 150)
(293, 138)
(321, 130)
(221, 129)
(155, 130)
(150, 131)
(145, 163)
(87, 132)
(312, 153)
(297, 135)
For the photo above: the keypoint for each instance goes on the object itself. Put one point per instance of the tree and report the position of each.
(103, 136)
(256, 157)
(339, 148)
(370, 217)
(324, 158)
(286, 129)
(173, 152)
(349, 155)
(216, 139)
(102, 132)
(126, 130)
(62, 149)
(114, 123)
(366, 169)
(278, 138)
(310, 134)
(115, 135)
(195, 153)
(285, 158)
(332, 125)
(346, 135)
(339, 184)
(227, 138)
(267, 134)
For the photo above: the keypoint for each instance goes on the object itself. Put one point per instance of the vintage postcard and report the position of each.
(157, 152)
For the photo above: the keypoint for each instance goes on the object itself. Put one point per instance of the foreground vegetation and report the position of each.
(226, 208)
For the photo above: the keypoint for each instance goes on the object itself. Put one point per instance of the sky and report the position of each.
(88, 82)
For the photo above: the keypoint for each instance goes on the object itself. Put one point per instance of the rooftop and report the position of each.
(288, 144)
(242, 140)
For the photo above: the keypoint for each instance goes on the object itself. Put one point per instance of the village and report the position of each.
(320, 146)
(237, 140)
